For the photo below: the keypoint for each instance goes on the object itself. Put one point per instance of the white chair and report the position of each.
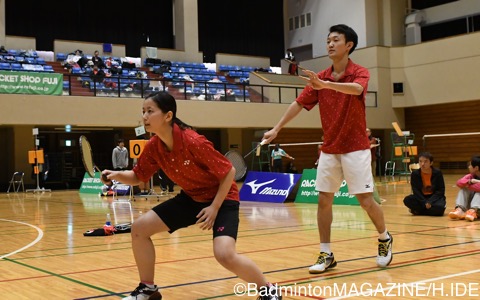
(16, 182)
(390, 170)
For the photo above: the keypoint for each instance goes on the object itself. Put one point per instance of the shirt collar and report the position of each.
(349, 70)
(177, 137)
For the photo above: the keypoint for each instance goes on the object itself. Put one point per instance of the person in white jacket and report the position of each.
(120, 156)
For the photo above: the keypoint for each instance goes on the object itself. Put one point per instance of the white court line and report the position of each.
(39, 237)
(411, 284)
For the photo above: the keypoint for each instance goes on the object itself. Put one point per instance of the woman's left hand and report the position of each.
(206, 217)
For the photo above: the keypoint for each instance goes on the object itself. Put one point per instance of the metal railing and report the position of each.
(123, 86)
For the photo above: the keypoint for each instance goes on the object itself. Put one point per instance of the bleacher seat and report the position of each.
(48, 68)
(40, 61)
(5, 66)
(61, 56)
(16, 67)
(76, 70)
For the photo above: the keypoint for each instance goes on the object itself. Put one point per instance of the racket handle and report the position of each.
(106, 180)
(263, 142)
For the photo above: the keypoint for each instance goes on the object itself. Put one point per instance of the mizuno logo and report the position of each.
(367, 186)
(256, 186)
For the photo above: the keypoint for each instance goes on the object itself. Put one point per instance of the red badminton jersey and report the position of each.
(342, 115)
(193, 164)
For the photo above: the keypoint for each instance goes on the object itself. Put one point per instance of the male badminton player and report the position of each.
(340, 93)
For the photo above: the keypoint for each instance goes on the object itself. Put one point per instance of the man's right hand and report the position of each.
(269, 136)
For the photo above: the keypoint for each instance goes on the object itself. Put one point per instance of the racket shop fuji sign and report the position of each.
(267, 186)
(307, 194)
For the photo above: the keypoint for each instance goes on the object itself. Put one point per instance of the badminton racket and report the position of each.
(87, 158)
(263, 142)
(238, 163)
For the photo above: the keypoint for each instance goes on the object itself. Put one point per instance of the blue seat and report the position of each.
(61, 56)
(40, 61)
(48, 68)
(16, 67)
(76, 70)
(5, 66)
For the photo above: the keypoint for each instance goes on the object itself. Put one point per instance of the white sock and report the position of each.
(384, 236)
(325, 247)
(150, 286)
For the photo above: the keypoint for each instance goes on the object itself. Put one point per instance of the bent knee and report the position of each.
(225, 258)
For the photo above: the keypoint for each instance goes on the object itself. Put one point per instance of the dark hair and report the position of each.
(120, 141)
(348, 32)
(475, 161)
(277, 147)
(166, 103)
(427, 155)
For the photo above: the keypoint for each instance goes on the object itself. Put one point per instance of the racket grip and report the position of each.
(263, 142)
(106, 180)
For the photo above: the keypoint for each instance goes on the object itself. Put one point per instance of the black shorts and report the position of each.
(181, 211)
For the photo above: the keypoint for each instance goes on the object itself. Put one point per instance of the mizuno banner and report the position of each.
(268, 186)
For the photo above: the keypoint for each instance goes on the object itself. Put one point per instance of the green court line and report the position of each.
(64, 277)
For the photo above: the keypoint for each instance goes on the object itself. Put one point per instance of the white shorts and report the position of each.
(355, 167)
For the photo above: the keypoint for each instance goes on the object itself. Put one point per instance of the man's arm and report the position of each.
(417, 185)
(350, 88)
(292, 111)
(439, 183)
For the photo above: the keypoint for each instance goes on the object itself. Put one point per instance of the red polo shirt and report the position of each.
(193, 164)
(343, 116)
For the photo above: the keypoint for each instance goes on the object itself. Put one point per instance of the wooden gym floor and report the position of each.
(44, 254)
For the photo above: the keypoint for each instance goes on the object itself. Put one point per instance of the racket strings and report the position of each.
(238, 163)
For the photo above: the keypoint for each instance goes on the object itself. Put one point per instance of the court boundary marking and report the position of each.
(39, 237)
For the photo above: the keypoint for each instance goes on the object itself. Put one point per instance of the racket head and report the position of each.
(87, 158)
(238, 163)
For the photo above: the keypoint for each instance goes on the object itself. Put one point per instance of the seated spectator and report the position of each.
(468, 198)
(69, 64)
(291, 168)
(79, 58)
(97, 60)
(3, 50)
(97, 75)
(428, 189)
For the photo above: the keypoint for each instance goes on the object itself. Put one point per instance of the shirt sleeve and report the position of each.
(146, 165)
(308, 98)
(362, 76)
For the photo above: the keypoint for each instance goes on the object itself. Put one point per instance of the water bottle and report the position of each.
(108, 222)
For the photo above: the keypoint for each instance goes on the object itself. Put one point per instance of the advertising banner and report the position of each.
(31, 83)
(307, 194)
(91, 185)
(268, 186)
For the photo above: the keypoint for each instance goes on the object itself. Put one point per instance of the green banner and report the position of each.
(91, 185)
(31, 83)
(307, 194)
